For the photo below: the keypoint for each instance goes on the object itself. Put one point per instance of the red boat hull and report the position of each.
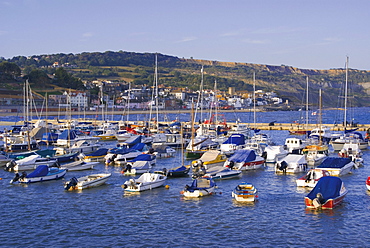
(329, 204)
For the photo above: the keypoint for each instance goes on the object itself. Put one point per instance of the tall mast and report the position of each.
(346, 94)
(307, 104)
(156, 90)
(254, 99)
(201, 95)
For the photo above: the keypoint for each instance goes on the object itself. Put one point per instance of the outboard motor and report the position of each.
(283, 166)
(16, 178)
(72, 183)
(10, 165)
(165, 171)
(264, 155)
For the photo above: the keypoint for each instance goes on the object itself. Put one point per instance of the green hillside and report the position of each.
(138, 68)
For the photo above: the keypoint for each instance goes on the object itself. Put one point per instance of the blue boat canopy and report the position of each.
(237, 139)
(40, 171)
(132, 141)
(142, 157)
(99, 152)
(334, 162)
(243, 156)
(68, 135)
(328, 186)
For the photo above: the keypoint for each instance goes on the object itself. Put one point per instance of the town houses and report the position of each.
(120, 95)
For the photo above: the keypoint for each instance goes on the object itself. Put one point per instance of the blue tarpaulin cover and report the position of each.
(328, 186)
(334, 162)
(99, 152)
(237, 139)
(142, 157)
(243, 156)
(40, 171)
(68, 135)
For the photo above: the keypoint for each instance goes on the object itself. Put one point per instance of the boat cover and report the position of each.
(178, 169)
(201, 183)
(209, 156)
(68, 135)
(243, 155)
(328, 186)
(99, 152)
(237, 139)
(143, 157)
(40, 171)
(66, 157)
(132, 141)
(141, 165)
(334, 162)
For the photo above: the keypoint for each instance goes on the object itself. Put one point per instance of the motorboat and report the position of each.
(85, 182)
(68, 138)
(137, 167)
(199, 145)
(220, 173)
(244, 192)
(368, 183)
(294, 145)
(337, 166)
(68, 157)
(78, 165)
(81, 146)
(292, 163)
(324, 133)
(179, 171)
(29, 163)
(164, 151)
(311, 178)
(274, 153)
(174, 140)
(351, 137)
(245, 159)
(315, 154)
(210, 159)
(104, 134)
(40, 174)
(233, 143)
(328, 193)
(131, 154)
(97, 155)
(200, 187)
(146, 181)
(353, 152)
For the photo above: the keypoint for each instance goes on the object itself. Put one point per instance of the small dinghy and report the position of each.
(200, 187)
(40, 174)
(328, 193)
(146, 181)
(244, 192)
(86, 182)
(368, 183)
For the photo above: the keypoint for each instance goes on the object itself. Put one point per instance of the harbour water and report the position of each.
(44, 215)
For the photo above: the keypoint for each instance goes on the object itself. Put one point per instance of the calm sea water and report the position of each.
(44, 215)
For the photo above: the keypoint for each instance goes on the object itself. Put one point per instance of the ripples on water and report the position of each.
(43, 214)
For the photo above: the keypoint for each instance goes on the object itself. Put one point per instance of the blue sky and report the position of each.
(312, 34)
